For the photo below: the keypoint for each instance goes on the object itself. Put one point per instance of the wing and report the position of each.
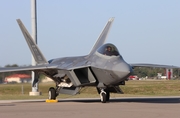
(153, 65)
(28, 68)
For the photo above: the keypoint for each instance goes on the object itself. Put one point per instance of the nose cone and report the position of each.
(122, 70)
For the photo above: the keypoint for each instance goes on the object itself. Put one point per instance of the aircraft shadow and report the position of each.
(6, 104)
(138, 100)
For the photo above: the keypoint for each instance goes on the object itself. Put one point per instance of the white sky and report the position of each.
(143, 31)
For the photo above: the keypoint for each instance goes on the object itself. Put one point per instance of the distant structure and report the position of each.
(169, 73)
(18, 78)
(133, 77)
(160, 76)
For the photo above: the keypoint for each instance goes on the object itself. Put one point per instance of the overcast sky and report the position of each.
(143, 31)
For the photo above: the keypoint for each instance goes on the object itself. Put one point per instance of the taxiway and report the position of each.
(136, 107)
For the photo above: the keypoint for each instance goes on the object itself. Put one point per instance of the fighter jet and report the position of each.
(103, 68)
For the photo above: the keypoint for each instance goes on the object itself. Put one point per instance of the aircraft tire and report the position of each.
(52, 93)
(103, 97)
(107, 96)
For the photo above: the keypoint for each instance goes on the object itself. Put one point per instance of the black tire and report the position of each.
(107, 96)
(103, 97)
(52, 93)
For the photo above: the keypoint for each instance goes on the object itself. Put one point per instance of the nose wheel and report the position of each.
(104, 95)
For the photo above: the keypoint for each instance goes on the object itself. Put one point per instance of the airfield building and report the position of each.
(18, 78)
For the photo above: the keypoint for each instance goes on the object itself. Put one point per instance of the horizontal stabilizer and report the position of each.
(38, 56)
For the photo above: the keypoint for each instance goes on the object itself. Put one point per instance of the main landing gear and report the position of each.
(104, 95)
(52, 93)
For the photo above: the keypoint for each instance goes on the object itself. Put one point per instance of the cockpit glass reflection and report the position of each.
(109, 50)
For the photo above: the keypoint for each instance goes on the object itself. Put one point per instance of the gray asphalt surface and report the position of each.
(160, 107)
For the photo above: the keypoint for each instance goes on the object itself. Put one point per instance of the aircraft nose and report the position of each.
(122, 70)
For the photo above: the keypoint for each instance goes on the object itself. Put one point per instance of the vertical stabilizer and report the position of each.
(103, 36)
(38, 56)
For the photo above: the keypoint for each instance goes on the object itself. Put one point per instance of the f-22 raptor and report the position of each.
(103, 68)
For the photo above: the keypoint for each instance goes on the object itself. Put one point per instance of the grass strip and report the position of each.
(131, 89)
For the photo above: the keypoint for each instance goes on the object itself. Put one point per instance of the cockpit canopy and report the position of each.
(108, 49)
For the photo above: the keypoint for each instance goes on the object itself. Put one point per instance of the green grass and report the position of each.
(150, 88)
(131, 89)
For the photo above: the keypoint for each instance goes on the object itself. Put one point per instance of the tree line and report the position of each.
(152, 72)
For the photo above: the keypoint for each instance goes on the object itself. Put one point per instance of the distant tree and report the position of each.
(176, 72)
(13, 65)
(146, 71)
(152, 72)
(1, 77)
(41, 77)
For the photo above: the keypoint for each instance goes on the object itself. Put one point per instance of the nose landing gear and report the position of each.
(104, 95)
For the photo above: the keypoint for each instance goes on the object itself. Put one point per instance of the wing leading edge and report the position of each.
(153, 65)
(28, 68)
